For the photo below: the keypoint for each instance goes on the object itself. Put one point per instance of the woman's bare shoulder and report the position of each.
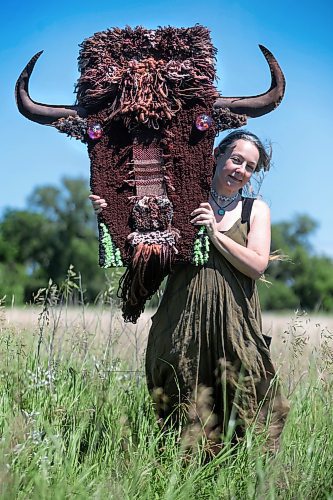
(260, 207)
(261, 214)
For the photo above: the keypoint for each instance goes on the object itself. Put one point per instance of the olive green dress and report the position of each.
(206, 354)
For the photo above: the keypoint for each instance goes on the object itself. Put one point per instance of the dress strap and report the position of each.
(247, 204)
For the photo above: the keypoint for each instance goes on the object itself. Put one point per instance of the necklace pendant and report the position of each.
(221, 211)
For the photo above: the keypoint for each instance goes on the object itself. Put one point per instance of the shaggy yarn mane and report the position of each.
(145, 75)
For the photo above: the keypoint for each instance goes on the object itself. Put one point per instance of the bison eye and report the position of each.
(203, 122)
(95, 131)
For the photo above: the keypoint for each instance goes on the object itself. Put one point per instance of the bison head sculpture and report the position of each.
(148, 110)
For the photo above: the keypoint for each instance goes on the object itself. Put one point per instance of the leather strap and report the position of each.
(246, 211)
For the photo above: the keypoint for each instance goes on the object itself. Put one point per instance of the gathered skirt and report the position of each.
(206, 355)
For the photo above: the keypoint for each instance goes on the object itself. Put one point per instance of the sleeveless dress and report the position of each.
(206, 356)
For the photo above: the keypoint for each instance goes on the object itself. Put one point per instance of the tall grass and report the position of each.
(77, 422)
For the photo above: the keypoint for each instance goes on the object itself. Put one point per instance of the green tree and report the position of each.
(57, 230)
(23, 251)
(303, 280)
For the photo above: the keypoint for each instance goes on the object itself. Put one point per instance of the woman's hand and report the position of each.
(98, 203)
(204, 216)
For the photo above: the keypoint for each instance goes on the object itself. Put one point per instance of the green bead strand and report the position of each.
(201, 248)
(111, 251)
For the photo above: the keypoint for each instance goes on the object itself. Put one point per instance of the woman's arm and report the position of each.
(251, 260)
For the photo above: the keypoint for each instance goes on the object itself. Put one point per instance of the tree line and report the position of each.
(58, 230)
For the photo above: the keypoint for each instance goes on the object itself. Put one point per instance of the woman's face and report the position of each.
(235, 166)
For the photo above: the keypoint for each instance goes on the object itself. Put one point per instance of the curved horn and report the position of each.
(35, 111)
(261, 104)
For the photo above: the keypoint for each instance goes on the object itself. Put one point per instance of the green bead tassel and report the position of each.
(111, 251)
(201, 248)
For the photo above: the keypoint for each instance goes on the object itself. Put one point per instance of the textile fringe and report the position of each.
(145, 273)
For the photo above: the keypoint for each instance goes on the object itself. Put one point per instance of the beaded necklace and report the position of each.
(221, 210)
(221, 197)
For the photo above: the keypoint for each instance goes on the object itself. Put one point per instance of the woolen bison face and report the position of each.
(148, 110)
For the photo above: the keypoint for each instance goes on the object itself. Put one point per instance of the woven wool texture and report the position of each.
(188, 167)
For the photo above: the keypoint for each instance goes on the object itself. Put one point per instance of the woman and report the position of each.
(206, 355)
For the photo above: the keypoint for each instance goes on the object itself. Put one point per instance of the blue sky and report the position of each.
(299, 34)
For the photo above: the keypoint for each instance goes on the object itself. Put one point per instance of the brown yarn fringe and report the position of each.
(150, 264)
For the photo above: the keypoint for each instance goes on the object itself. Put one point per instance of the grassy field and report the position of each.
(77, 422)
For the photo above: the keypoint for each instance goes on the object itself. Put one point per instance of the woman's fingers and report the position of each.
(202, 219)
(207, 206)
(202, 210)
(98, 203)
(204, 216)
(94, 198)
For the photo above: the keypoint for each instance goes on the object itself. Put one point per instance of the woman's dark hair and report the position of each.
(265, 153)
